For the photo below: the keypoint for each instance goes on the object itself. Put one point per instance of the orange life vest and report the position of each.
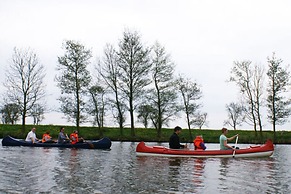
(197, 143)
(74, 138)
(44, 137)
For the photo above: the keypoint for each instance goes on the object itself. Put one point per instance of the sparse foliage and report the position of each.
(200, 120)
(10, 113)
(37, 113)
(134, 67)
(109, 71)
(144, 114)
(73, 80)
(249, 79)
(279, 79)
(236, 114)
(97, 106)
(163, 95)
(191, 93)
(24, 81)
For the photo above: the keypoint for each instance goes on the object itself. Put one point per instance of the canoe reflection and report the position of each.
(198, 178)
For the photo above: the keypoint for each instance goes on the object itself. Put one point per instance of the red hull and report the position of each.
(264, 150)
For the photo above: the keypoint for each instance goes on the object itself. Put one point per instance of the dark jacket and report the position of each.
(175, 142)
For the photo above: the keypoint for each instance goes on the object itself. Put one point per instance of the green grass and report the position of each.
(149, 135)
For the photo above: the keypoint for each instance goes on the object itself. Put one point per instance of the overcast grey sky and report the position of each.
(203, 37)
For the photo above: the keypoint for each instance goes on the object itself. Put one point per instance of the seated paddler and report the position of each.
(31, 137)
(46, 138)
(74, 137)
(63, 138)
(199, 143)
(223, 140)
(175, 140)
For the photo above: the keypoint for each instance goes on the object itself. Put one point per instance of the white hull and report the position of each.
(245, 155)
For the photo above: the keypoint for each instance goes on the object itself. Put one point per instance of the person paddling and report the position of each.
(175, 140)
(223, 140)
(63, 138)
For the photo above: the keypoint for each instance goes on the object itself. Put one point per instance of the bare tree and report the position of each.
(279, 79)
(249, 79)
(199, 120)
(37, 113)
(236, 115)
(191, 93)
(134, 65)
(163, 96)
(74, 80)
(109, 71)
(24, 81)
(258, 93)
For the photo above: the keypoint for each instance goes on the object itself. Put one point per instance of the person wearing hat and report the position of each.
(175, 140)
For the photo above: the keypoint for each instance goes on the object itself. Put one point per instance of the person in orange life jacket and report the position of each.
(46, 138)
(199, 143)
(175, 140)
(75, 138)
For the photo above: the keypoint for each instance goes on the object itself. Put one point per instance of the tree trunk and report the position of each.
(131, 118)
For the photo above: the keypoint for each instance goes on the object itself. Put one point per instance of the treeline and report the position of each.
(137, 80)
(256, 94)
(148, 135)
(131, 79)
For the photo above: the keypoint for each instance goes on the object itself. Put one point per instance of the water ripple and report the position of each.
(43, 170)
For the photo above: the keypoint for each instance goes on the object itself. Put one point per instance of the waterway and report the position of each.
(119, 170)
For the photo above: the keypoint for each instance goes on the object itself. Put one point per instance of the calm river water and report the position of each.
(54, 170)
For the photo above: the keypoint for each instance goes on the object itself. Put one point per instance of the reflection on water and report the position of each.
(223, 169)
(53, 170)
(198, 179)
(174, 176)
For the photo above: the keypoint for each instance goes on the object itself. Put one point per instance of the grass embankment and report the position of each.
(150, 135)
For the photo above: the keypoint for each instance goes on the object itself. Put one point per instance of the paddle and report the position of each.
(233, 154)
(191, 139)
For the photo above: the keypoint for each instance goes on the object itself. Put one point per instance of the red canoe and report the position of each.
(264, 150)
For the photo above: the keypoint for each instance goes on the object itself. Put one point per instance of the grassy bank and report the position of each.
(210, 136)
